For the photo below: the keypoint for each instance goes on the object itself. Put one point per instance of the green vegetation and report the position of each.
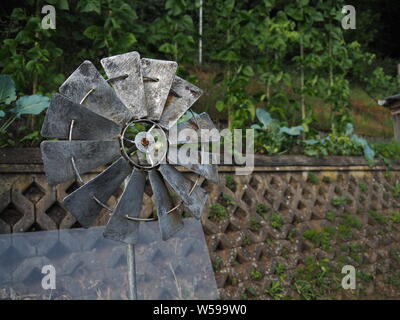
(339, 201)
(262, 209)
(319, 237)
(314, 280)
(330, 216)
(395, 217)
(326, 179)
(378, 217)
(276, 221)
(217, 212)
(276, 290)
(313, 178)
(363, 187)
(255, 274)
(254, 224)
(230, 182)
(396, 189)
(217, 264)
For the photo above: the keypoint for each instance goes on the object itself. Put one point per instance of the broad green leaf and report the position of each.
(220, 105)
(248, 71)
(293, 131)
(264, 117)
(2, 114)
(33, 104)
(7, 89)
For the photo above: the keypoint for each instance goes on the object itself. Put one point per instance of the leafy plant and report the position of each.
(217, 212)
(276, 221)
(15, 108)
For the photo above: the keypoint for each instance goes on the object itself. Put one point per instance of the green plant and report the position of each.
(255, 274)
(313, 178)
(280, 269)
(396, 189)
(218, 212)
(378, 217)
(276, 221)
(339, 201)
(395, 217)
(271, 137)
(351, 222)
(330, 216)
(276, 290)
(319, 237)
(262, 209)
(230, 182)
(326, 179)
(15, 108)
(254, 224)
(217, 264)
(363, 187)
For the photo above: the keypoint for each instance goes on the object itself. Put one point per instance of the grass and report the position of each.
(230, 182)
(396, 189)
(379, 218)
(339, 201)
(276, 221)
(313, 178)
(276, 290)
(254, 224)
(255, 274)
(395, 217)
(218, 212)
(330, 216)
(319, 237)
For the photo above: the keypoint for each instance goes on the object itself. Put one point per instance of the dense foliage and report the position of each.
(293, 49)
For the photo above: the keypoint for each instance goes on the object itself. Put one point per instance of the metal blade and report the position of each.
(159, 75)
(130, 89)
(102, 100)
(119, 228)
(87, 155)
(195, 199)
(87, 125)
(208, 171)
(175, 106)
(82, 204)
(169, 223)
(178, 133)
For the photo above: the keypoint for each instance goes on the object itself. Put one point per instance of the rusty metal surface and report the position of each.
(119, 227)
(130, 90)
(88, 155)
(87, 126)
(194, 199)
(82, 204)
(102, 100)
(195, 125)
(156, 91)
(176, 106)
(170, 223)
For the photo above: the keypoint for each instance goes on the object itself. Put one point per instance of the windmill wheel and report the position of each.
(125, 120)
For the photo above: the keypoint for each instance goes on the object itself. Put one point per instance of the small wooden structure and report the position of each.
(393, 103)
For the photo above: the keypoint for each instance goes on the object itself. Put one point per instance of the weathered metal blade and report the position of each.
(158, 76)
(87, 155)
(87, 84)
(119, 228)
(170, 223)
(177, 104)
(195, 199)
(82, 204)
(199, 128)
(208, 171)
(130, 89)
(87, 124)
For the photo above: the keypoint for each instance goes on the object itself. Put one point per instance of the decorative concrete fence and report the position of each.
(283, 232)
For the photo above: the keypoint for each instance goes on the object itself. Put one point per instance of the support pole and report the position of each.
(131, 262)
(201, 32)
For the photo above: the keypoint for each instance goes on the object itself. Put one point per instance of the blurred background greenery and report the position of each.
(286, 68)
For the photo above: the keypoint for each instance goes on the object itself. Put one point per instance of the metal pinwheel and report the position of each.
(126, 121)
